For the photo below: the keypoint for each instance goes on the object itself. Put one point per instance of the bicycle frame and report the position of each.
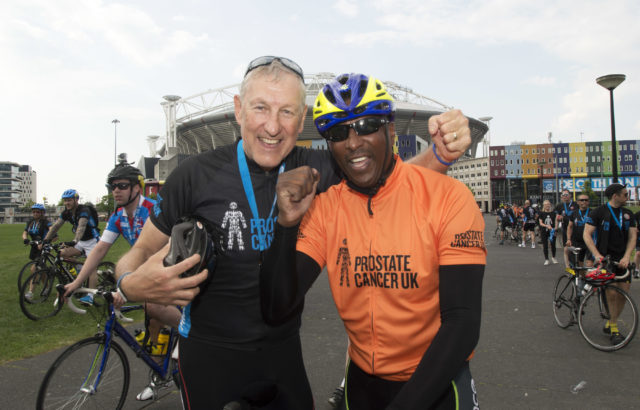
(111, 327)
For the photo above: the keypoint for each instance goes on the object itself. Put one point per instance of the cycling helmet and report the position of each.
(125, 171)
(351, 96)
(38, 207)
(70, 193)
(599, 274)
(190, 236)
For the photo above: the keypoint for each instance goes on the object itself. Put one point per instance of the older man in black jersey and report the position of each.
(226, 349)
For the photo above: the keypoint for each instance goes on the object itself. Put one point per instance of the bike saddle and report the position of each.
(188, 237)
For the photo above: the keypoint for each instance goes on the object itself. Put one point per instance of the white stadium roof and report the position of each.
(205, 121)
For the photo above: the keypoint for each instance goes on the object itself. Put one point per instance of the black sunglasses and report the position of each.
(120, 185)
(267, 60)
(582, 200)
(364, 126)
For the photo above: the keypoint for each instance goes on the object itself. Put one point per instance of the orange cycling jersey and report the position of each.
(383, 268)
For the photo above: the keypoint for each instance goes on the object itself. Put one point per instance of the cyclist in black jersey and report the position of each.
(575, 230)
(84, 225)
(35, 230)
(564, 210)
(615, 231)
(225, 345)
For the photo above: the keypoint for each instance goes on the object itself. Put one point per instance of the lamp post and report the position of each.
(610, 82)
(542, 163)
(115, 141)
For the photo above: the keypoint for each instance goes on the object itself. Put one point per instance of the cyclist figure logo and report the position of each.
(234, 218)
(343, 255)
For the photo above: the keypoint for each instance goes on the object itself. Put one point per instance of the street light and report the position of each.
(542, 163)
(115, 140)
(610, 82)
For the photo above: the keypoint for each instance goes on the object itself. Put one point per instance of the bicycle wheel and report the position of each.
(38, 296)
(88, 375)
(24, 272)
(107, 276)
(564, 306)
(595, 310)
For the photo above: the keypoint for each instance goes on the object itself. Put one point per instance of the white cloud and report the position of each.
(541, 80)
(346, 7)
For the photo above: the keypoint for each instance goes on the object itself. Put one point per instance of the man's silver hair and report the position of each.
(274, 71)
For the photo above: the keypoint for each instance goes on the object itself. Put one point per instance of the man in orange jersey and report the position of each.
(410, 294)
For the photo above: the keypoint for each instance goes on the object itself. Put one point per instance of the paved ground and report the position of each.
(523, 360)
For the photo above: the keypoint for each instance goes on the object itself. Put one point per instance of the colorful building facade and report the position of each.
(541, 171)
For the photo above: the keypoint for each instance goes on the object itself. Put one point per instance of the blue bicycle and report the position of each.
(94, 372)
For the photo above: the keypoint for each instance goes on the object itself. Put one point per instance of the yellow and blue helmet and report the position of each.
(351, 96)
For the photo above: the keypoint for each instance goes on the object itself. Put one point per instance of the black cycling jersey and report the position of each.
(566, 209)
(529, 215)
(91, 231)
(612, 229)
(37, 228)
(209, 185)
(579, 219)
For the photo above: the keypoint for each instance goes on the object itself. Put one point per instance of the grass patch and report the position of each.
(22, 337)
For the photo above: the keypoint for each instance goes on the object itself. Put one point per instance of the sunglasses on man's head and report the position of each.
(120, 185)
(267, 60)
(364, 126)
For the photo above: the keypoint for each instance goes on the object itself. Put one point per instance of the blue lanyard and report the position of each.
(585, 214)
(248, 189)
(566, 211)
(618, 222)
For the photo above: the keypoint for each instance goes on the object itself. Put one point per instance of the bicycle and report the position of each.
(38, 287)
(45, 259)
(578, 299)
(95, 372)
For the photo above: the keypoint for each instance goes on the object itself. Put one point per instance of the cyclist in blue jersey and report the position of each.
(126, 184)
(84, 225)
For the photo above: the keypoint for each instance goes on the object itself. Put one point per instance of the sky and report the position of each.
(68, 68)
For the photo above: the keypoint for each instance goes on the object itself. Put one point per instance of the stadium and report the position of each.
(206, 120)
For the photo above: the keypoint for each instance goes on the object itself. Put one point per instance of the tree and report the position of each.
(106, 204)
(27, 206)
(593, 197)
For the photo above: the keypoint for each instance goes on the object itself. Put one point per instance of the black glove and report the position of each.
(70, 243)
(26, 241)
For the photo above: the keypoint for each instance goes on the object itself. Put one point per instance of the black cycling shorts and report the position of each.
(34, 253)
(366, 392)
(530, 226)
(504, 225)
(269, 377)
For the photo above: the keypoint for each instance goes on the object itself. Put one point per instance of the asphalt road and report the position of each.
(523, 360)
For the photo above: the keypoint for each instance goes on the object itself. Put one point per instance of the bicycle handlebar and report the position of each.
(106, 295)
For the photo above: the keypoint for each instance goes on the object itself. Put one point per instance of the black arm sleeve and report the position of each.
(460, 309)
(285, 277)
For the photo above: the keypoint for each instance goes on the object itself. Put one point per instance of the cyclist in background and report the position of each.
(133, 209)
(35, 229)
(547, 219)
(616, 233)
(564, 210)
(507, 219)
(84, 225)
(411, 307)
(529, 221)
(575, 230)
